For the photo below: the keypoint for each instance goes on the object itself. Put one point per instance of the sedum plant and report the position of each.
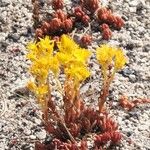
(43, 61)
(75, 120)
(111, 60)
(74, 62)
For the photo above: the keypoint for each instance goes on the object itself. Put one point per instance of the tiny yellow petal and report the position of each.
(32, 46)
(63, 58)
(104, 55)
(81, 55)
(42, 90)
(46, 45)
(54, 66)
(120, 59)
(32, 56)
(66, 44)
(31, 86)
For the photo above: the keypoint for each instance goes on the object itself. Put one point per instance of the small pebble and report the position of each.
(41, 135)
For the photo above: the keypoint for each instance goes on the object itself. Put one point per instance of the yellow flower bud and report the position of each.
(64, 58)
(66, 45)
(119, 60)
(54, 65)
(32, 46)
(32, 56)
(105, 55)
(42, 90)
(78, 73)
(46, 45)
(31, 86)
(81, 55)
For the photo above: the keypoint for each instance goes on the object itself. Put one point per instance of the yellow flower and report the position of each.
(119, 60)
(70, 52)
(107, 55)
(42, 90)
(81, 55)
(73, 59)
(104, 55)
(32, 56)
(64, 58)
(54, 65)
(31, 86)
(78, 73)
(46, 45)
(32, 46)
(66, 44)
(40, 73)
(43, 62)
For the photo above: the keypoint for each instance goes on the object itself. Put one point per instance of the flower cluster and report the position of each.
(43, 61)
(111, 60)
(106, 55)
(74, 59)
(106, 16)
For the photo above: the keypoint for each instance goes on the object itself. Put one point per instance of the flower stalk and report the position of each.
(111, 60)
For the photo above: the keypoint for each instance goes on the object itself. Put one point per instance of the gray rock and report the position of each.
(133, 3)
(32, 137)
(37, 121)
(15, 37)
(26, 147)
(132, 9)
(132, 78)
(41, 135)
(146, 48)
(127, 72)
(27, 131)
(139, 8)
(4, 3)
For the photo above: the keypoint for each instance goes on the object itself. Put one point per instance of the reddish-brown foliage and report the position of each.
(113, 137)
(59, 145)
(57, 4)
(129, 105)
(39, 32)
(91, 5)
(81, 15)
(67, 25)
(106, 16)
(86, 40)
(106, 32)
(78, 12)
(61, 22)
(60, 15)
(89, 121)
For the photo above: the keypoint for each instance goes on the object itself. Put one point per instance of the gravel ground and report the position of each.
(20, 124)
